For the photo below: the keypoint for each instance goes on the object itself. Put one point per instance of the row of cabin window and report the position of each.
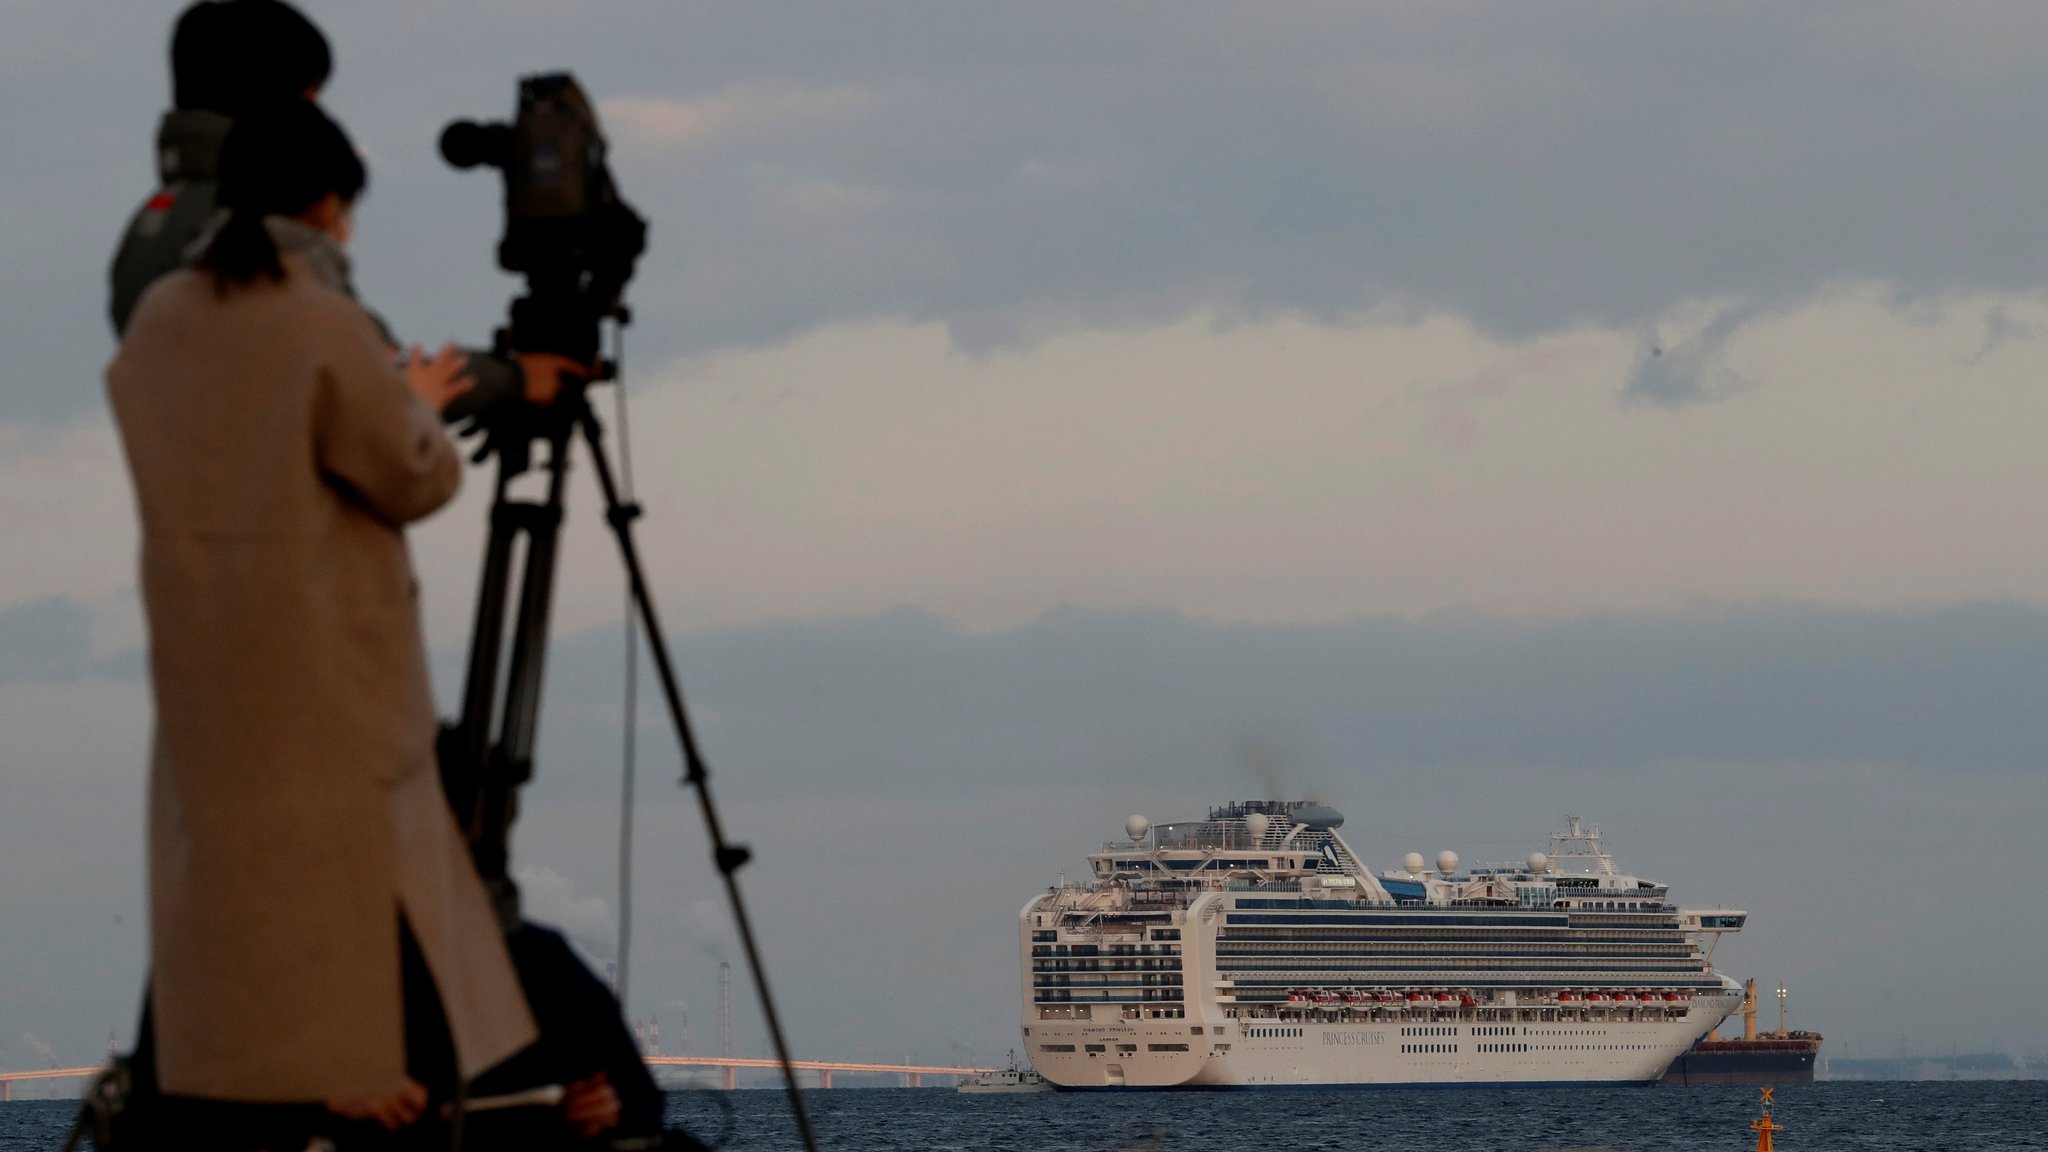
(1108, 950)
(1672, 945)
(1094, 1048)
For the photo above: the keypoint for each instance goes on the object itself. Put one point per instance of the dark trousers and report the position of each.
(156, 1121)
(582, 1033)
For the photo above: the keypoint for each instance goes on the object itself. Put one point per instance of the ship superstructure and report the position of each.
(1253, 949)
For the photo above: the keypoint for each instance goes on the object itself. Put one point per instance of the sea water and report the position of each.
(1967, 1116)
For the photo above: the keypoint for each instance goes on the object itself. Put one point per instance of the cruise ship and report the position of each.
(1253, 950)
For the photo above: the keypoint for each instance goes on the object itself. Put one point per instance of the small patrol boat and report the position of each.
(1009, 1081)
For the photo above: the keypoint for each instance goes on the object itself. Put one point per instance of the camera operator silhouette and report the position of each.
(301, 853)
(279, 444)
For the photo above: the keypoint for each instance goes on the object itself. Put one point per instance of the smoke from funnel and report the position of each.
(1266, 765)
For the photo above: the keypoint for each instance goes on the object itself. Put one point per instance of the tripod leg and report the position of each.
(511, 759)
(727, 856)
(480, 776)
(465, 747)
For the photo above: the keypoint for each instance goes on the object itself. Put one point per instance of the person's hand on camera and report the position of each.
(439, 378)
(544, 372)
(391, 1112)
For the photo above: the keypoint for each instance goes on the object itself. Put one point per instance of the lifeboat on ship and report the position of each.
(1297, 996)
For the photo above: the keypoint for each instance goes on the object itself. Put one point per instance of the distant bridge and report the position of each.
(913, 1074)
(8, 1079)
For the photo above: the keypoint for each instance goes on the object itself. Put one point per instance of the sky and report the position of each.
(1044, 413)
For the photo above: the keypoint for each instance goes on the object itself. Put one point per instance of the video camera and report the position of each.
(566, 229)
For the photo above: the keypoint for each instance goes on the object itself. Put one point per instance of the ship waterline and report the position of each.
(1251, 949)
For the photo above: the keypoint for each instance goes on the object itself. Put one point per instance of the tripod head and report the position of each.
(511, 408)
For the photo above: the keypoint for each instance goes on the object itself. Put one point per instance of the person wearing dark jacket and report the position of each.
(229, 58)
(233, 58)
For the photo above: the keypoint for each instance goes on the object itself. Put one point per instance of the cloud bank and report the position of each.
(1010, 173)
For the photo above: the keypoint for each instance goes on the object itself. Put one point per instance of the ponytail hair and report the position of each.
(242, 252)
(279, 162)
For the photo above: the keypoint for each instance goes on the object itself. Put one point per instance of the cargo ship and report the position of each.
(1786, 1056)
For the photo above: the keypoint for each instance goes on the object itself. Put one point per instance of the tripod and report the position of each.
(482, 773)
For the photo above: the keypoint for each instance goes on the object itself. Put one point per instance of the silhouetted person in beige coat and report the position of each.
(296, 822)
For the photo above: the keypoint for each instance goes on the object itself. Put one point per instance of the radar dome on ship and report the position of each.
(1318, 817)
(1136, 827)
(1446, 862)
(1256, 824)
(1539, 863)
(1412, 863)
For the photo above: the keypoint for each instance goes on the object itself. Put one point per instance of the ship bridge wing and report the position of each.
(1712, 919)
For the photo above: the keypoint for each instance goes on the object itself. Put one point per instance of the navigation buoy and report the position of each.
(1763, 1125)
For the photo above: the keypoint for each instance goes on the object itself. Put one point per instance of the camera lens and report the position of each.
(466, 143)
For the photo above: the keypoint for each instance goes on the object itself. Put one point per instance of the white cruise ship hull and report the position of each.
(1272, 1054)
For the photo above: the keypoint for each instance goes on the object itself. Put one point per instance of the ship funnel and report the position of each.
(1318, 817)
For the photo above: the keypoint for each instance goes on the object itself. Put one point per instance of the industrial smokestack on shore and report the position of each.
(724, 1008)
(725, 1020)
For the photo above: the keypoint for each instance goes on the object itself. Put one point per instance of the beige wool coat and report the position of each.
(294, 808)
